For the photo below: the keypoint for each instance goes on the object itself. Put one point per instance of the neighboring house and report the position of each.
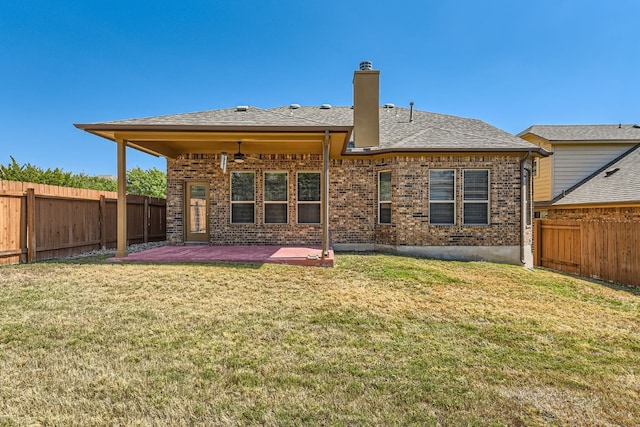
(578, 151)
(366, 177)
(610, 193)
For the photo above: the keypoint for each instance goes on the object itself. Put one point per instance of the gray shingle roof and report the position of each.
(622, 132)
(427, 131)
(608, 185)
(253, 116)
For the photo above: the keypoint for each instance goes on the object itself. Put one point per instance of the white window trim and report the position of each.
(279, 202)
(455, 193)
(232, 202)
(488, 201)
(380, 201)
(298, 202)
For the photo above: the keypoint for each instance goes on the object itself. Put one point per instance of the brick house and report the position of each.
(366, 177)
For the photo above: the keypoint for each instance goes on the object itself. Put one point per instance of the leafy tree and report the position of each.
(152, 182)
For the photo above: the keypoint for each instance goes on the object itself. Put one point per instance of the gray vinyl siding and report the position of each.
(574, 162)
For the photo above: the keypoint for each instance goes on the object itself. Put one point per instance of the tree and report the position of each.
(151, 182)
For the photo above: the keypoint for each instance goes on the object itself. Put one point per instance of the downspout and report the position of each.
(325, 195)
(523, 205)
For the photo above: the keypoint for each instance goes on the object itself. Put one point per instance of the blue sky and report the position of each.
(511, 63)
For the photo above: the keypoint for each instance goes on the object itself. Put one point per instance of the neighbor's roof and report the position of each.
(620, 132)
(616, 182)
(426, 132)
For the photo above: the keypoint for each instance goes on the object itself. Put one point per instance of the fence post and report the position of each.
(145, 221)
(103, 222)
(31, 225)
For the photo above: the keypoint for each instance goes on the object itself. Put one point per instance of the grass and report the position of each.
(378, 340)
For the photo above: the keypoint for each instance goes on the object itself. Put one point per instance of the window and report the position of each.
(535, 167)
(243, 196)
(475, 205)
(276, 197)
(308, 197)
(384, 197)
(442, 197)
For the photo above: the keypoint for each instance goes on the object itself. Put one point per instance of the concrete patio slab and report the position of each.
(293, 255)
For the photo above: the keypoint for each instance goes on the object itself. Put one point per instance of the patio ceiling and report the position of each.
(171, 141)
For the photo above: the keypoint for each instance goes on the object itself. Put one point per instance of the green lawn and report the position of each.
(378, 340)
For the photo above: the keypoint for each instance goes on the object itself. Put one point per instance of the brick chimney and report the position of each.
(366, 102)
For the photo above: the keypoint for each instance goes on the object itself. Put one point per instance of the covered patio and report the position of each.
(302, 137)
(291, 255)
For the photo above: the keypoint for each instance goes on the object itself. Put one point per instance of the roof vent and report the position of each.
(366, 66)
(242, 108)
(325, 107)
(294, 106)
(389, 105)
(636, 126)
(611, 172)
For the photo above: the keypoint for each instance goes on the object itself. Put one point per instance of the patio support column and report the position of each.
(121, 248)
(325, 195)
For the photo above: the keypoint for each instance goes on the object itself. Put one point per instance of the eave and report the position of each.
(363, 153)
(172, 140)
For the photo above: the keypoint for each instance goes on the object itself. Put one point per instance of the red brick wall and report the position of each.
(353, 201)
(626, 213)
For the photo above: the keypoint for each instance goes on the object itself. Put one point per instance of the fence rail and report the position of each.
(40, 222)
(607, 250)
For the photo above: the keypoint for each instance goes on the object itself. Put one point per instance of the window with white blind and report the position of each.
(243, 197)
(384, 197)
(475, 203)
(308, 198)
(442, 194)
(276, 197)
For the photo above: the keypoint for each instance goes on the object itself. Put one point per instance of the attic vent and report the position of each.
(325, 107)
(294, 106)
(242, 108)
(611, 172)
(389, 105)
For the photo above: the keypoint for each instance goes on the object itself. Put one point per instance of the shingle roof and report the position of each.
(252, 116)
(427, 131)
(616, 182)
(620, 132)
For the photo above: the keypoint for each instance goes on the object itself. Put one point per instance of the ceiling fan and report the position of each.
(240, 157)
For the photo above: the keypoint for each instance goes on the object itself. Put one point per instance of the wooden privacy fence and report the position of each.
(607, 250)
(43, 221)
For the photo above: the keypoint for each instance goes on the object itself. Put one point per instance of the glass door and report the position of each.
(196, 213)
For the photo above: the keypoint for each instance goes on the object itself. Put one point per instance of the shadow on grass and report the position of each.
(105, 260)
(633, 290)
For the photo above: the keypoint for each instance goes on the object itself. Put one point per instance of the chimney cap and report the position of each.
(366, 66)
